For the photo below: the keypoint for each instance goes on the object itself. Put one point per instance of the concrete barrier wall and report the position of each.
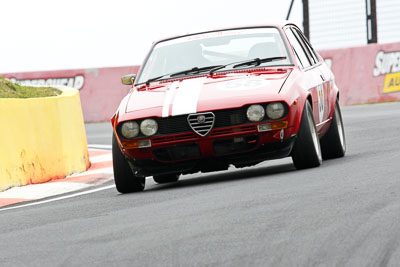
(366, 74)
(41, 139)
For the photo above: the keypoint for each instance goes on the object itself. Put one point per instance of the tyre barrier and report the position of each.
(41, 139)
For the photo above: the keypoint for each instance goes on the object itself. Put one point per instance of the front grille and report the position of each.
(230, 117)
(223, 118)
(201, 123)
(173, 125)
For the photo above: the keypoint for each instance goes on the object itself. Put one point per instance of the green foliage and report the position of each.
(13, 90)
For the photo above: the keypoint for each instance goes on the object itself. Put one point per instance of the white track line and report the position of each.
(60, 198)
(99, 146)
(63, 197)
(40, 191)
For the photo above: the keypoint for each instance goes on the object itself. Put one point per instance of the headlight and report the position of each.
(275, 110)
(149, 127)
(255, 113)
(129, 129)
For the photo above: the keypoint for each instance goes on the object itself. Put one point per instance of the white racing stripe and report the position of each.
(168, 98)
(187, 96)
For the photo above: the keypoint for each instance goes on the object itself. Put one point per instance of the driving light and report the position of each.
(149, 127)
(136, 144)
(255, 113)
(276, 125)
(129, 129)
(264, 127)
(275, 110)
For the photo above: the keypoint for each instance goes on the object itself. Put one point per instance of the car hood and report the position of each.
(205, 93)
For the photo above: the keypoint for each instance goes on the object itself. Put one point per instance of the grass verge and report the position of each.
(13, 90)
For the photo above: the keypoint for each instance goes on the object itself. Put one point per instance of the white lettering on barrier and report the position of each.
(386, 63)
(76, 82)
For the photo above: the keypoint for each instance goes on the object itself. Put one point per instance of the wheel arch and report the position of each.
(301, 105)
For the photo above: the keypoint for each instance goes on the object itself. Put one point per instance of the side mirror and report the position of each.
(128, 79)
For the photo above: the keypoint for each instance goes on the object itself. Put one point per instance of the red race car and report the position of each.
(239, 96)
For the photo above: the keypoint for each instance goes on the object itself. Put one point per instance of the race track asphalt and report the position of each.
(344, 213)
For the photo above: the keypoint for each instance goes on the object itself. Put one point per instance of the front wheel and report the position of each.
(125, 180)
(333, 144)
(306, 151)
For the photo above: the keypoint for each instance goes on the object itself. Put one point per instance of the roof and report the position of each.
(275, 23)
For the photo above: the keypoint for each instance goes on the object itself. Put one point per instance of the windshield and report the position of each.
(213, 49)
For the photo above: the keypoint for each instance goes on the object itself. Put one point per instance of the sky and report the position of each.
(74, 34)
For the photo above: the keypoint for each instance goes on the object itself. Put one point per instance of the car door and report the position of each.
(326, 77)
(311, 78)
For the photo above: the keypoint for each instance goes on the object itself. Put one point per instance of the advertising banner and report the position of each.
(366, 74)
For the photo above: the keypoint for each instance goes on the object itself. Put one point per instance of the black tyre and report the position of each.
(125, 180)
(333, 144)
(168, 178)
(306, 151)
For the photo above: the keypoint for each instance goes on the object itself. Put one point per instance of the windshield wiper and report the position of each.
(258, 61)
(156, 79)
(194, 70)
(255, 61)
(188, 71)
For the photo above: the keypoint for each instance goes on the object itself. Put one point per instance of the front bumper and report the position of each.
(210, 154)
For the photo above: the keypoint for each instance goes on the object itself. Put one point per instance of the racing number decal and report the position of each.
(321, 102)
(238, 85)
(243, 83)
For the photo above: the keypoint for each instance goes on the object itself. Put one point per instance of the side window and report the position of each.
(298, 49)
(308, 45)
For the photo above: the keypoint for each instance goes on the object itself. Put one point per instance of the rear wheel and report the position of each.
(168, 178)
(333, 144)
(125, 180)
(306, 151)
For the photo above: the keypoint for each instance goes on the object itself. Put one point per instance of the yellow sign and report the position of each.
(392, 83)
